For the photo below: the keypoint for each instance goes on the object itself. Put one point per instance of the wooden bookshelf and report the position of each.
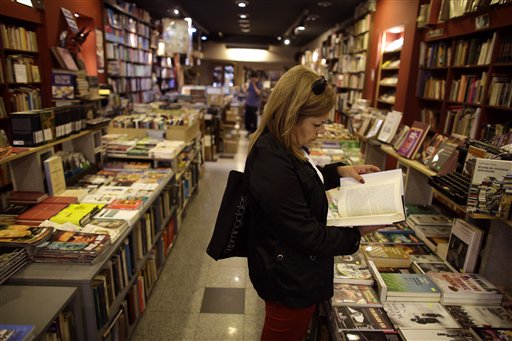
(389, 66)
(467, 69)
(128, 50)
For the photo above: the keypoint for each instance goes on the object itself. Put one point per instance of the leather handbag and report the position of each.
(229, 238)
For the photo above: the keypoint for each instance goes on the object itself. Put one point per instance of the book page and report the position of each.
(379, 198)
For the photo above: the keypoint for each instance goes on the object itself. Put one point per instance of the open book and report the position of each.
(379, 201)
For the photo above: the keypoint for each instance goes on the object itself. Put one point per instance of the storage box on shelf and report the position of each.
(51, 310)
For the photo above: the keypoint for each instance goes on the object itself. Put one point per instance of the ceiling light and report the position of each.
(77, 15)
(176, 11)
(279, 38)
(312, 17)
(242, 3)
(324, 3)
(204, 38)
(243, 16)
(245, 25)
(243, 21)
(287, 41)
(246, 30)
(194, 30)
(301, 28)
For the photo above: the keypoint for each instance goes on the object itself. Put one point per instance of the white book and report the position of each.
(480, 316)
(54, 172)
(390, 126)
(419, 315)
(379, 201)
(464, 246)
(451, 334)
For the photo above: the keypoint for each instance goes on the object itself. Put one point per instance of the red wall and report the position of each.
(91, 17)
(391, 13)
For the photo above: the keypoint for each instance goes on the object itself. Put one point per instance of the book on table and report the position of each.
(464, 246)
(465, 288)
(488, 333)
(17, 332)
(448, 334)
(391, 238)
(403, 287)
(354, 295)
(425, 267)
(379, 201)
(468, 316)
(413, 140)
(369, 335)
(361, 318)
(386, 255)
(419, 315)
(23, 235)
(54, 172)
(352, 269)
(390, 126)
(429, 220)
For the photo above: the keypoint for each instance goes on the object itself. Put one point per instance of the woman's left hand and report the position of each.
(356, 170)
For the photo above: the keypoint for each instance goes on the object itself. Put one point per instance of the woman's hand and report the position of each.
(356, 170)
(368, 229)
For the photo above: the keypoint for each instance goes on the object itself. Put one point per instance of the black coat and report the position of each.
(291, 250)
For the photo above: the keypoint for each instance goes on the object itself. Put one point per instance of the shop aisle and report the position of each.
(197, 298)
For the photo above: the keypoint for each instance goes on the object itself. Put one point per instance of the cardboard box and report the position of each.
(231, 146)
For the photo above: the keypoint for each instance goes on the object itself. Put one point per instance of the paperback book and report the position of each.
(17, 332)
(480, 316)
(390, 126)
(413, 140)
(419, 315)
(23, 235)
(354, 295)
(361, 318)
(452, 334)
(382, 194)
(368, 335)
(425, 267)
(491, 334)
(352, 269)
(410, 287)
(386, 256)
(464, 246)
(391, 238)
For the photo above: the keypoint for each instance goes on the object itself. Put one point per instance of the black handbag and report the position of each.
(229, 238)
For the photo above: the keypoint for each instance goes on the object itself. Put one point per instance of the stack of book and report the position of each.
(23, 235)
(352, 269)
(71, 247)
(419, 315)
(465, 288)
(433, 229)
(11, 260)
(404, 287)
(39, 213)
(78, 214)
(352, 318)
(468, 316)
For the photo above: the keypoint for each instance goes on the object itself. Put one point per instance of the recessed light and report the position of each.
(204, 37)
(246, 30)
(176, 11)
(324, 3)
(242, 3)
(193, 29)
(77, 15)
(287, 41)
(243, 15)
(312, 17)
(245, 25)
(279, 38)
(244, 21)
(301, 28)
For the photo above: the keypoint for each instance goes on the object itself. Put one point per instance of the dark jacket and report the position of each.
(291, 250)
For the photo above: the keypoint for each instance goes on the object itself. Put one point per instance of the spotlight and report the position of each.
(242, 3)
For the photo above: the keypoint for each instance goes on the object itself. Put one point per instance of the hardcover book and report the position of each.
(413, 140)
(352, 269)
(410, 287)
(444, 155)
(452, 334)
(464, 246)
(465, 288)
(386, 256)
(126, 204)
(383, 194)
(419, 315)
(54, 172)
(361, 318)
(400, 136)
(26, 197)
(354, 295)
(40, 212)
(480, 316)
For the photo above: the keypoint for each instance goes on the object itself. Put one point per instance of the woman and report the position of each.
(291, 250)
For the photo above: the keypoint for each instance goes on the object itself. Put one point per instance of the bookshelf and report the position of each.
(464, 76)
(165, 73)
(58, 310)
(387, 80)
(128, 50)
(22, 82)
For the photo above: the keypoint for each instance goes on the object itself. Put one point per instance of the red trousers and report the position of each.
(285, 324)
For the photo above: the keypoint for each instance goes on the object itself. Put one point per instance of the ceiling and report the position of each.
(268, 19)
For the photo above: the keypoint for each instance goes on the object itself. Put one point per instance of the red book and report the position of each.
(126, 204)
(40, 212)
(60, 200)
(25, 197)
(414, 139)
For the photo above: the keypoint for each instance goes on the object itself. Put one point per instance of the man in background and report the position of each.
(252, 102)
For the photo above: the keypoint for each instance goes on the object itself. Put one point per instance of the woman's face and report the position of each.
(308, 128)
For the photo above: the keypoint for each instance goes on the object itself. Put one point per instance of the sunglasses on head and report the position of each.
(318, 86)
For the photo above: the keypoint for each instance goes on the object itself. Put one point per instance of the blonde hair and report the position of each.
(291, 99)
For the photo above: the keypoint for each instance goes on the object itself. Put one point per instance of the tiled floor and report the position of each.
(197, 298)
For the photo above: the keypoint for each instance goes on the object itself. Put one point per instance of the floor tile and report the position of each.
(253, 325)
(166, 326)
(224, 277)
(176, 301)
(253, 303)
(223, 301)
(219, 327)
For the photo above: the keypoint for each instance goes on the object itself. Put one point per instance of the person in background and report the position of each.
(290, 249)
(252, 102)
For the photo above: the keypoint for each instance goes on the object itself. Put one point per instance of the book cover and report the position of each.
(368, 335)
(66, 58)
(16, 332)
(13, 210)
(425, 267)
(452, 334)
(419, 315)
(352, 269)
(60, 200)
(390, 126)
(480, 316)
(430, 219)
(400, 136)
(21, 235)
(41, 212)
(432, 148)
(390, 237)
(492, 334)
(354, 295)
(487, 185)
(408, 287)
(362, 318)
(375, 127)
(447, 151)
(386, 256)
(26, 197)
(54, 172)
(382, 194)
(110, 213)
(125, 204)
(413, 140)
(464, 246)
